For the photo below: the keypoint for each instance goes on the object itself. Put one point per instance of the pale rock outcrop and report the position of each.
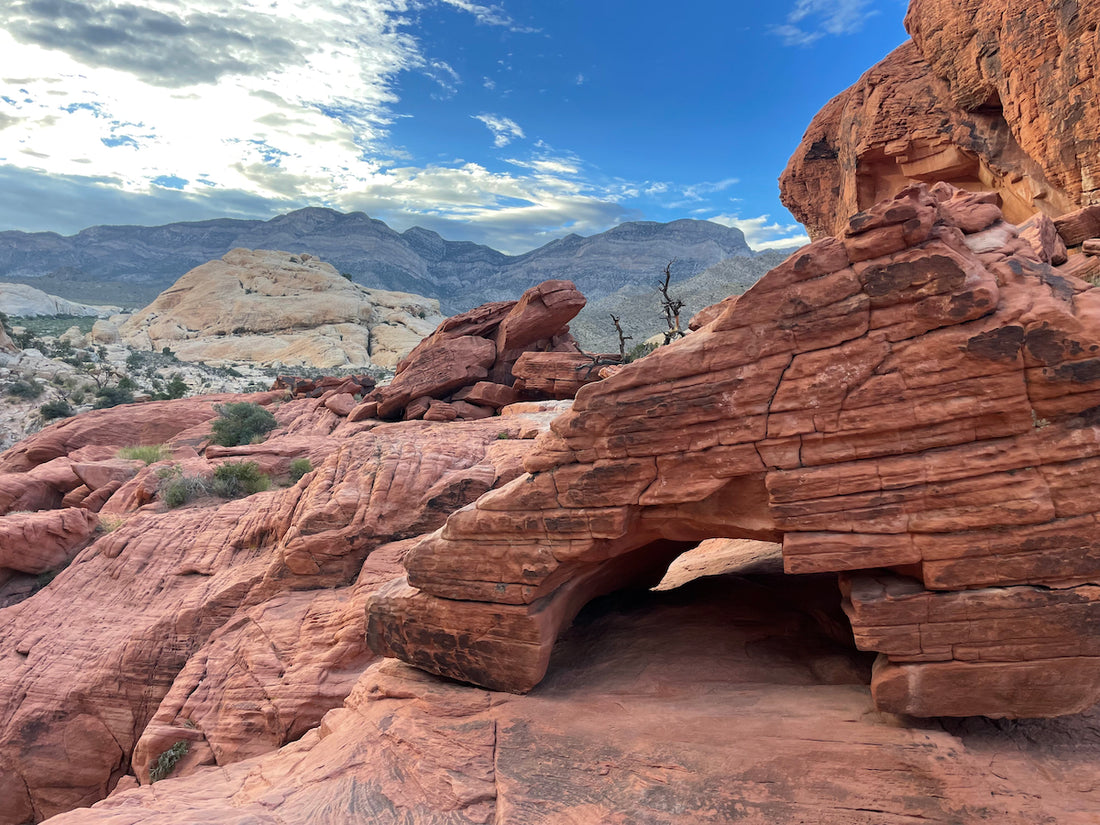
(277, 308)
(25, 301)
(918, 394)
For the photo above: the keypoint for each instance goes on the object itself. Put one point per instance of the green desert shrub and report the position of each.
(149, 453)
(112, 397)
(639, 351)
(177, 388)
(298, 468)
(25, 388)
(167, 761)
(175, 489)
(241, 423)
(237, 479)
(58, 408)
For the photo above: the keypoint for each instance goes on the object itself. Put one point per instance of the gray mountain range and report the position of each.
(131, 265)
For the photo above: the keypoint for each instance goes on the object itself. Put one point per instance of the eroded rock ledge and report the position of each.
(916, 398)
(996, 97)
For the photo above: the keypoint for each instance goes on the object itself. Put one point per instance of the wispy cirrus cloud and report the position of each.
(488, 15)
(810, 20)
(504, 129)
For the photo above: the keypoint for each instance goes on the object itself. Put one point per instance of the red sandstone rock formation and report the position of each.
(234, 625)
(37, 542)
(918, 395)
(719, 702)
(473, 357)
(989, 96)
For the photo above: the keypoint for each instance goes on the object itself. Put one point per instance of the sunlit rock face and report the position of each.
(231, 625)
(989, 96)
(917, 395)
(278, 308)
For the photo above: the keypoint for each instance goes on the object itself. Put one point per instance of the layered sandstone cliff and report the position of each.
(992, 97)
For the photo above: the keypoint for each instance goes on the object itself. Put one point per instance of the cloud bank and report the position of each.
(149, 111)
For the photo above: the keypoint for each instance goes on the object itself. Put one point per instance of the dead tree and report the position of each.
(671, 307)
(622, 338)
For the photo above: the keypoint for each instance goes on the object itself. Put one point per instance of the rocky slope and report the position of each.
(719, 702)
(275, 308)
(235, 624)
(638, 305)
(987, 96)
(128, 264)
(238, 625)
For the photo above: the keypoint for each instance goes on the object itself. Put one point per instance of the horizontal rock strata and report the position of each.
(918, 394)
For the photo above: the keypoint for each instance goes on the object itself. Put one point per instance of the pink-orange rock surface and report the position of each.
(919, 394)
(718, 702)
(989, 96)
(37, 542)
(233, 625)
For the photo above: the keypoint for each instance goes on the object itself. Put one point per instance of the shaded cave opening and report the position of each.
(718, 598)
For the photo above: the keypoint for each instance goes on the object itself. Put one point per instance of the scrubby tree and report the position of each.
(241, 423)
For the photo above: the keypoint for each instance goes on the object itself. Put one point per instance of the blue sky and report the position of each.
(507, 123)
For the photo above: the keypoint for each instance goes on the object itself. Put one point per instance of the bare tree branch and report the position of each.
(671, 307)
(622, 338)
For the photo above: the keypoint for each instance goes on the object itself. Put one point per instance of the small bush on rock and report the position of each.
(58, 408)
(167, 761)
(298, 468)
(149, 453)
(237, 479)
(175, 489)
(112, 397)
(241, 423)
(26, 389)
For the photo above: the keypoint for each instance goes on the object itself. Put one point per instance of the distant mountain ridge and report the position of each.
(133, 264)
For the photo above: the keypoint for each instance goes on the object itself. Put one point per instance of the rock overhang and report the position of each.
(914, 396)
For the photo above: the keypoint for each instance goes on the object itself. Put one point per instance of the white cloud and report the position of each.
(810, 20)
(444, 74)
(760, 234)
(488, 15)
(248, 109)
(697, 191)
(504, 129)
(549, 165)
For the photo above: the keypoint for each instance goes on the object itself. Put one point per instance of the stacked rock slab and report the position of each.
(914, 402)
(479, 361)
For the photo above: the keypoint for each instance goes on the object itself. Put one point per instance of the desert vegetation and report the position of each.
(241, 423)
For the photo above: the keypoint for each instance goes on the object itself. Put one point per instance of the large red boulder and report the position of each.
(481, 344)
(989, 96)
